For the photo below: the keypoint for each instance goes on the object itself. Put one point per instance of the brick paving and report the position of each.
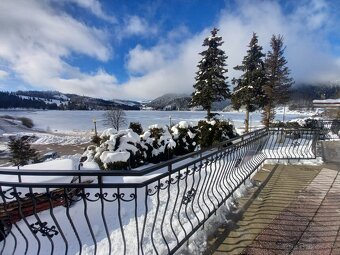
(295, 210)
(280, 187)
(310, 225)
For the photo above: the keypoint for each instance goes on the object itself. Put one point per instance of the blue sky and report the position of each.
(143, 49)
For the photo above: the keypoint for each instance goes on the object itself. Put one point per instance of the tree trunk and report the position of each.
(284, 113)
(268, 114)
(208, 114)
(246, 122)
(268, 109)
(268, 117)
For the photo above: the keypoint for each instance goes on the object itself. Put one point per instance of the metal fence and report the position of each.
(151, 211)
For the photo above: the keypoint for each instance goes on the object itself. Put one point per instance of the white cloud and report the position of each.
(178, 34)
(136, 26)
(36, 42)
(175, 75)
(3, 74)
(314, 14)
(141, 60)
(96, 84)
(307, 52)
(27, 25)
(93, 6)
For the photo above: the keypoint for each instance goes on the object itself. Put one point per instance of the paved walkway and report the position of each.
(309, 225)
(295, 210)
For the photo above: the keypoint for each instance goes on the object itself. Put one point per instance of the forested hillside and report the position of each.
(54, 100)
(302, 96)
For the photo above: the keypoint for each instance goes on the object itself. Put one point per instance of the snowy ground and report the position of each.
(157, 218)
(64, 143)
(139, 216)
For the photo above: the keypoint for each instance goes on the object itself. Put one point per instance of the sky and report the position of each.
(142, 49)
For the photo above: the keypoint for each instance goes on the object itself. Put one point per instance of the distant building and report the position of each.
(327, 103)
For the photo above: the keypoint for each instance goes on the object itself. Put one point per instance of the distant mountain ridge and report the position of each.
(170, 102)
(180, 102)
(54, 100)
(301, 96)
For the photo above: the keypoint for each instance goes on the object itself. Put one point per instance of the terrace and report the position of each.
(294, 209)
(168, 207)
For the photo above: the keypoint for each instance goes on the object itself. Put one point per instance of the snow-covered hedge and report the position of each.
(117, 150)
(214, 132)
(300, 123)
(158, 143)
(185, 136)
(126, 149)
(331, 129)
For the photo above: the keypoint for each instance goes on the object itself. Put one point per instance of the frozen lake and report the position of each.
(83, 120)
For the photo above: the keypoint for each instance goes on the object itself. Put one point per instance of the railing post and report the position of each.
(19, 175)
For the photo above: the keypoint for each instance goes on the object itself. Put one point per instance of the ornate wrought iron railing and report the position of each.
(151, 211)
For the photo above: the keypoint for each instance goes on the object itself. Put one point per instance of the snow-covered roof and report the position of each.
(327, 103)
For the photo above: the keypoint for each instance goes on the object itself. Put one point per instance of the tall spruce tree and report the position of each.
(211, 84)
(278, 81)
(248, 87)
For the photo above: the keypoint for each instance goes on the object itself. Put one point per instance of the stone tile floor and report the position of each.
(296, 210)
(309, 225)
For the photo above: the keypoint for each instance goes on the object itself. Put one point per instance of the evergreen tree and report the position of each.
(210, 78)
(20, 151)
(248, 87)
(278, 82)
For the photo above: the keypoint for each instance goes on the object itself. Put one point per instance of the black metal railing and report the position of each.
(151, 211)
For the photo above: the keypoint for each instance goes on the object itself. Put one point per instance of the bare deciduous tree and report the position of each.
(115, 118)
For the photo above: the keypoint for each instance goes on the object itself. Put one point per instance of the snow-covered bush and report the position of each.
(281, 124)
(335, 127)
(95, 139)
(185, 136)
(136, 127)
(300, 123)
(158, 143)
(27, 122)
(214, 132)
(117, 150)
(126, 149)
(311, 123)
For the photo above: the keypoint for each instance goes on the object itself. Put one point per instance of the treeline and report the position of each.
(11, 100)
(46, 100)
(88, 103)
(48, 95)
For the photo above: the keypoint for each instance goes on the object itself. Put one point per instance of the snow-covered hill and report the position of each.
(170, 102)
(55, 100)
